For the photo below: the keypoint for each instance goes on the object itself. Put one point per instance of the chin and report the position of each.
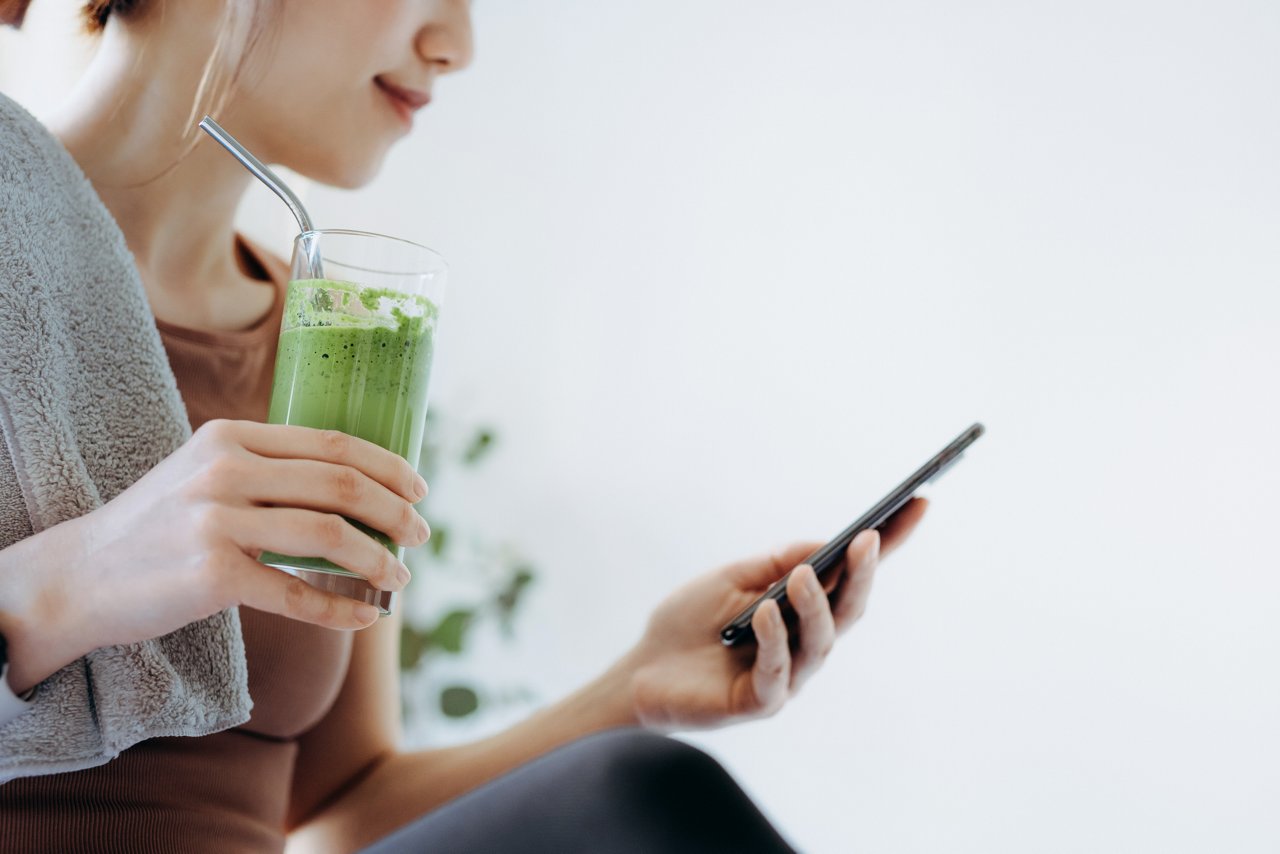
(340, 169)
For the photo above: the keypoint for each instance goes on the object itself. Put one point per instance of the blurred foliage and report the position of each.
(503, 579)
(458, 701)
(479, 444)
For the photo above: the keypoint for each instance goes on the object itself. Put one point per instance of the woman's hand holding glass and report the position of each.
(182, 543)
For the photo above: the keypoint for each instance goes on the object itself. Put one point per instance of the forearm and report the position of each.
(401, 787)
(33, 610)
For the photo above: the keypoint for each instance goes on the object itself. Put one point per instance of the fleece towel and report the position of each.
(88, 404)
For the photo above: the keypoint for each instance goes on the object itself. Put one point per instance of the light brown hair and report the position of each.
(95, 13)
(245, 26)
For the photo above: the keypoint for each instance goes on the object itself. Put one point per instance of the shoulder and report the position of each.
(45, 198)
(30, 157)
(55, 233)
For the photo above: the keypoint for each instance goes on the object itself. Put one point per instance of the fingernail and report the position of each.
(424, 531)
(419, 488)
(814, 585)
(402, 575)
(367, 613)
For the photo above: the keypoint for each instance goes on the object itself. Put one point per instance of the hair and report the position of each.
(94, 13)
(12, 12)
(245, 26)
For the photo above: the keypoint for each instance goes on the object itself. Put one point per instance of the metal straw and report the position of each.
(264, 174)
(260, 171)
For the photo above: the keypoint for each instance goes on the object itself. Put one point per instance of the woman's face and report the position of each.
(340, 81)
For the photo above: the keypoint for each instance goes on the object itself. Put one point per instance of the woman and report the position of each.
(326, 87)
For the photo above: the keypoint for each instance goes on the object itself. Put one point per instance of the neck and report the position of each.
(130, 131)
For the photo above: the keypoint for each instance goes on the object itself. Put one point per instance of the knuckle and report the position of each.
(222, 474)
(331, 530)
(304, 602)
(216, 578)
(300, 601)
(388, 569)
(216, 431)
(335, 444)
(209, 524)
(327, 612)
(347, 486)
(773, 670)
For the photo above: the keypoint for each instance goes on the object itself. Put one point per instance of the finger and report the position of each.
(283, 441)
(892, 533)
(900, 525)
(861, 559)
(306, 533)
(771, 673)
(816, 625)
(761, 572)
(276, 592)
(315, 485)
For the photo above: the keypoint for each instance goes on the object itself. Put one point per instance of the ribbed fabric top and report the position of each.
(226, 792)
(228, 374)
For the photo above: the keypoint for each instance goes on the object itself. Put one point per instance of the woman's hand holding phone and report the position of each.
(681, 676)
(182, 543)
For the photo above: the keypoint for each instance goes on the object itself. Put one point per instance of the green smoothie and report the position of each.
(355, 359)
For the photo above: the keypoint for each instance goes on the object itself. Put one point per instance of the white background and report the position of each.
(724, 271)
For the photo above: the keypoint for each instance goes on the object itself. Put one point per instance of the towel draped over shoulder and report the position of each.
(88, 404)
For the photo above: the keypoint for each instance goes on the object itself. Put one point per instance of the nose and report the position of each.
(445, 41)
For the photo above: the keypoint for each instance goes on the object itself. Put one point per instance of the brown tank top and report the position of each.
(226, 792)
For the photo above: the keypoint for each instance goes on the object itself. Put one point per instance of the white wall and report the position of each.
(724, 271)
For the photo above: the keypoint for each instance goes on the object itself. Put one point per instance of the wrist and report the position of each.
(611, 696)
(36, 616)
(606, 702)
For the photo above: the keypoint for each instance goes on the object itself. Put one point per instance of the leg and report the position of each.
(613, 793)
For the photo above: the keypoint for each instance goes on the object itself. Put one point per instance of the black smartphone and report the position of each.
(830, 556)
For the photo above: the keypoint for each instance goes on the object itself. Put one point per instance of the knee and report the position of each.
(634, 763)
(671, 796)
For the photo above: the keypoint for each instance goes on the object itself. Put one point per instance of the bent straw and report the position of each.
(264, 174)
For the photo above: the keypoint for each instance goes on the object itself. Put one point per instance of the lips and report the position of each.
(406, 101)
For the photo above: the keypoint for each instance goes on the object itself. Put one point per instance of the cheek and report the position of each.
(312, 99)
(330, 126)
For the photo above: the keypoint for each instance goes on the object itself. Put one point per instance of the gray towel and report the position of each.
(88, 404)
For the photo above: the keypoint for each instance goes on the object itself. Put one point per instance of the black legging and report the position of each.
(619, 791)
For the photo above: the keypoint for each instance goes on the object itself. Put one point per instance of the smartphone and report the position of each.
(830, 556)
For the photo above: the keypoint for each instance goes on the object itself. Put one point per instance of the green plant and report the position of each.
(497, 580)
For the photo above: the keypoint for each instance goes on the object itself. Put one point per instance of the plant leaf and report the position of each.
(439, 539)
(413, 643)
(509, 598)
(450, 632)
(480, 444)
(458, 701)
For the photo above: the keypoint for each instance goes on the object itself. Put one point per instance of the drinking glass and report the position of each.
(355, 352)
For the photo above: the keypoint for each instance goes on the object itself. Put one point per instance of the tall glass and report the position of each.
(355, 355)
